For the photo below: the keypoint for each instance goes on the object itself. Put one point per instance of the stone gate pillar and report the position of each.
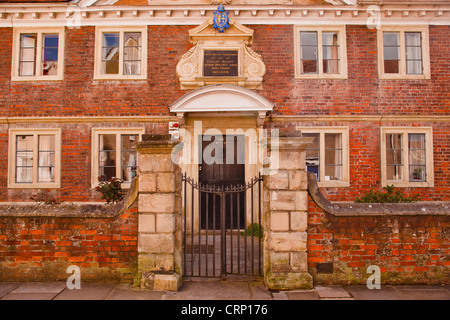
(159, 240)
(285, 213)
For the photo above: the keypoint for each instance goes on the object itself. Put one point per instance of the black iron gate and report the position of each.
(222, 233)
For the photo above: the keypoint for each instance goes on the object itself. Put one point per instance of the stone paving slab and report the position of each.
(40, 287)
(325, 292)
(127, 292)
(88, 291)
(29, 296)
(216, 290)
(303, 295)
(211, 290)
(7, 287)
(424, 293)
(385, 293)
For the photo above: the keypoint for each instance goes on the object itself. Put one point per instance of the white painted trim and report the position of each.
(12, 184)
(220, 98)
(98, 53)
(344, 131)
(405, 183)
(424, 14)
(343, 74)
(16, 54)
(425, 53)
(94, 150)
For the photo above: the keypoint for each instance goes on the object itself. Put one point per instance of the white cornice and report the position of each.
(73, 16)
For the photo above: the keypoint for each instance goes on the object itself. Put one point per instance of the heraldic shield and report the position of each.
(221, 19)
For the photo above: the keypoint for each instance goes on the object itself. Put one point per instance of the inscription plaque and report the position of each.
(220, 63)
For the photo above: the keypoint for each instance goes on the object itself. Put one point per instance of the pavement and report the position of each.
(214, 290)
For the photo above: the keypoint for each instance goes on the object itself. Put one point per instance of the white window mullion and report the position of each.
(121, 51)
(402, 53)
(118, 156)
(405, 157)
(35, 158)
(322, 156)
(320, 52)
(39, 44)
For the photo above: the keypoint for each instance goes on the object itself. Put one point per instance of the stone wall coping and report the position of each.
(353, 209)
(97, 210)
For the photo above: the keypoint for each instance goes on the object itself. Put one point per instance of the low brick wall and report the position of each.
(411, 246)
(39, 242)
(41, 248)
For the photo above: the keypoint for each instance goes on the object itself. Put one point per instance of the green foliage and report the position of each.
(389, 196)
(45, 198)
(111, 190)
(254, 230)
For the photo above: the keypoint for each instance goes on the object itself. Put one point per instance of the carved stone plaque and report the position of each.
(220, 63)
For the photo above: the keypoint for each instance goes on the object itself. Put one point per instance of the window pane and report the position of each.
(129, 157)
(110, 53)
(129, 141)
(391, 50)
(24, 175)
(309, 51)
(312, 154)
(132, 53)
(50, 54)
(46, 163)
(330, 47)
(413, 44)
(107, 156)
(417, 160)
(394, 157)
(24, 143)
(24, 159)
(27, 57)
(333, 156)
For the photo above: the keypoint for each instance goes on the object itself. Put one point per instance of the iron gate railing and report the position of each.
(222, 231)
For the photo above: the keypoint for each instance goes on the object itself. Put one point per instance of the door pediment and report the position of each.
(221, 98)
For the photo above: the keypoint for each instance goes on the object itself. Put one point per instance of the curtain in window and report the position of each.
(330, 47)
(394, 157)
(132, 54)
(107, 156)
(333, 156)
(46, 163)
(27, 59)
(413, 44)
(24, 159)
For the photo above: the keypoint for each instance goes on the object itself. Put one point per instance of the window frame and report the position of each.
(426, 74)
(15, 75)
(99, 30)
(96, 132)
(343, 70)
(405, 131)
(344, 131)
(13, 133)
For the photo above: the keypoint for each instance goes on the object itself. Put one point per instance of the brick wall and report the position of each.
(408, 249)
(361, 94)
(41, 248)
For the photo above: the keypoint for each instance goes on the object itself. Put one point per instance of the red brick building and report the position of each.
(81, 82)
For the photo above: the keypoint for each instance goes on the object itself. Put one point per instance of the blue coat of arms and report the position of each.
(221, 19)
